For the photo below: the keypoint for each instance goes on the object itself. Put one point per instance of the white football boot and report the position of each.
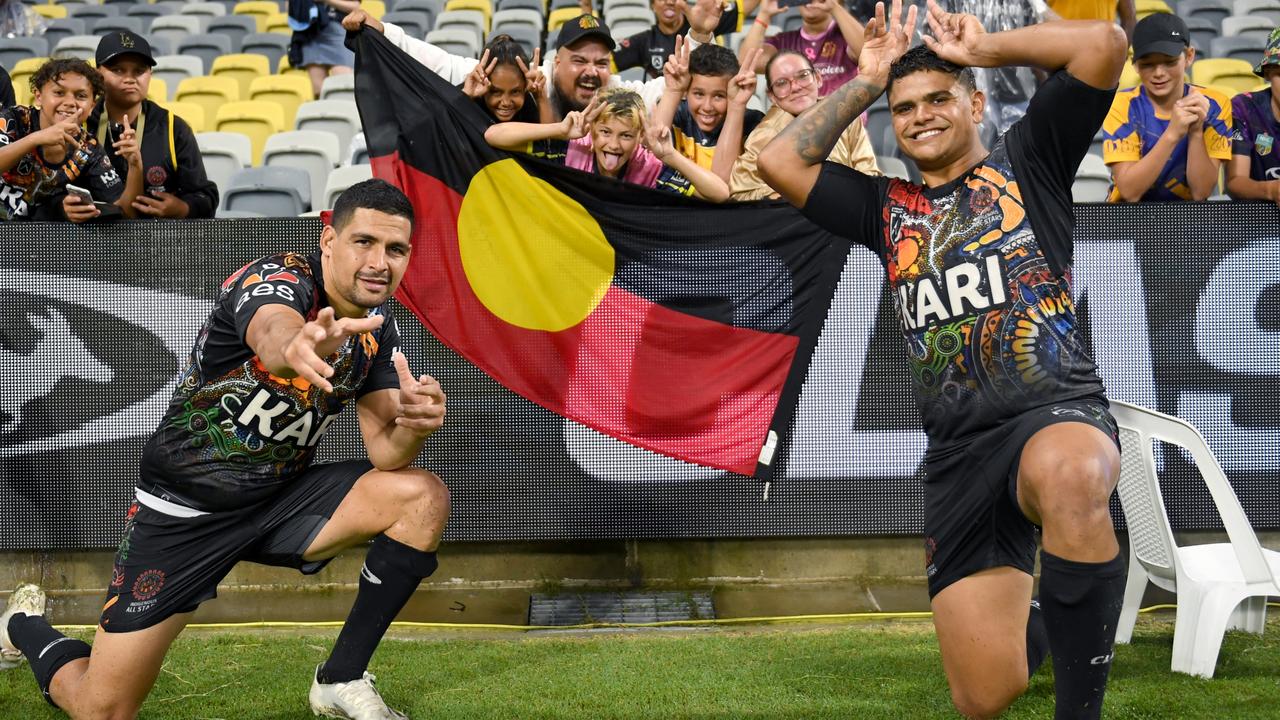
(355, 700)
(27, 599)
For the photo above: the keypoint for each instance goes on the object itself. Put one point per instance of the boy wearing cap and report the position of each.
(174, 181)
(1254, 170)
(1166, 138)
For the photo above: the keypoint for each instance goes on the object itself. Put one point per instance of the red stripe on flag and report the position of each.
(683, 386)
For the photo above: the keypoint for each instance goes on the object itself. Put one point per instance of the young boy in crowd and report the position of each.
(610, 138)
(1254, 170)
(696, 102)
(1166, 138)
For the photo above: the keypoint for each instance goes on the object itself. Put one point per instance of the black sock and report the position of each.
(1081, 603)
(45, 648)
(1037, 639)
(391, 572)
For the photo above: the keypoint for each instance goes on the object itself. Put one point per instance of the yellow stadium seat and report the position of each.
(189, 111)
(284, 68)
(483, 6)
(287, 91)
(241, 67)
(21, 76)
(1151, 7)
(1129, 77)
(1228, 72)
(260, 10)
(278, 23)
(561, 16)
(257, 119)
(49, 10)
(375, 8)
(158, 90)
(209, 93)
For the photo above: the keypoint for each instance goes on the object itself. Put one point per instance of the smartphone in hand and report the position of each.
(86, 196)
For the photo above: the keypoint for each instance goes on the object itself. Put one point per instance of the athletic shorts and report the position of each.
(971, 516)
(168, 565)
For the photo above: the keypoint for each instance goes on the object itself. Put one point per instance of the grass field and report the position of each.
(851, 671)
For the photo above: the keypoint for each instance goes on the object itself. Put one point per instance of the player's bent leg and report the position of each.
(1065, 479)
(981, 621)
(409, 505)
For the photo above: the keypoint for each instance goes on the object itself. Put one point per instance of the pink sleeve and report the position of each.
(644, 168)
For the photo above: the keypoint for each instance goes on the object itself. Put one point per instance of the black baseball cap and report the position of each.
(1162, 33)
(581, 27)
(122, 42)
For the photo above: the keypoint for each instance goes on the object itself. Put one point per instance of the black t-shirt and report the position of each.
(235, 434)
(979, 268)
(7, 98)
(651, 48)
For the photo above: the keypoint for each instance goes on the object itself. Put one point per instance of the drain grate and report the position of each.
(619, 607)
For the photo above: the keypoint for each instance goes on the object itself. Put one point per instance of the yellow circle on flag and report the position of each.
(534, 257)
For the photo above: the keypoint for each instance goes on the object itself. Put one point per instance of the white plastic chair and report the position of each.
(1220, 586)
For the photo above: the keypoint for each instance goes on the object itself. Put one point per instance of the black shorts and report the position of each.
(168, 565)
(971, 516)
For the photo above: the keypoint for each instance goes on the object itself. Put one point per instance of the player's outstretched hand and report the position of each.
(956, 37)
(885, 40)
(421, 399)
(318, 339)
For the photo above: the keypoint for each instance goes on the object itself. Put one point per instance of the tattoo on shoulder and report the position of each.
(816, 131)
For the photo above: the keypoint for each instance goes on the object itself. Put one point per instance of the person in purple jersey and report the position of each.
(227, 476)
(978, 262)
(1254, 170)
(829, 39)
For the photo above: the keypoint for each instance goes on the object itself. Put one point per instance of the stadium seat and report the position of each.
(255, 118)
(235, 214)
(272, 46)
(456, 40)
(414, 23)
(175, 28)
(528, 37)
(1237, 74)
(1214, 11)
(210, 93)
(173, 69)
(340, 117)
(224, 155)
(278, 23)
(287, 91)
(635, 74)
(258, 11)
(892, 167)
(204, 9)
(463, 19)
(1269, 9)
(15, 49)
(358, 153)
(432, 8)
(341, 179)
(628, 28)
(878, 118)
(1247, 26)
(559, 17)
(565, 5)
(631, 14)
(157, 90)
(516, 16)
(147, 12)
(20, 74)
(57, 29)
(1248, 48)
(271, 191)
(611, 5)
(81, 46)
(90, 13)
(241, 67)
(376, 8)
(49, 10)
(206, 47)
(102, 26)
(484, 7)
(193, 113)
(284, 68)
(339, 87)
(1219, 586)
(1093, 180)
(791, 22)
(236, 27)
(311, 150)
(536, 5)
(1150, 7)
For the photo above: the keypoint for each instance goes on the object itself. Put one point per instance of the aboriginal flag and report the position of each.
(672, 324)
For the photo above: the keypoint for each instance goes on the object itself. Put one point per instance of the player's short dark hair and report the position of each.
(505, 50)
(713, 60)
(374, 194)
(768, 67)
(922, 59)
(55, 68)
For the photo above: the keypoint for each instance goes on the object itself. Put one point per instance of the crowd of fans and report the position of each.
(92, 146)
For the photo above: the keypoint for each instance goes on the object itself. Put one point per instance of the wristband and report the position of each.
(762, 24)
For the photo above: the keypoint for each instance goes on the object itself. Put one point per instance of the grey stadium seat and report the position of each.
(272, 191)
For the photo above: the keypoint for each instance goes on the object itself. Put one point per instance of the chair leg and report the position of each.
(1251, 615)
(1197, 638)
(1134, 587)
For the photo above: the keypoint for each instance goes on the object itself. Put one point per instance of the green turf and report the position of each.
(854, 670)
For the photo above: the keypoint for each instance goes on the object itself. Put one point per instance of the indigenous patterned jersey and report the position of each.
(33, 181)
(1134, 125)
(979, 268)
(1257, 134)
(235, 434)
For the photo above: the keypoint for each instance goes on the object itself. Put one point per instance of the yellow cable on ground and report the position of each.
(777, 620)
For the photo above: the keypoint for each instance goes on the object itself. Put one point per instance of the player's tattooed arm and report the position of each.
(792, 162)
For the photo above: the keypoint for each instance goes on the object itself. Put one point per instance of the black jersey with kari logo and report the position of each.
(235, 434)
(980, 268)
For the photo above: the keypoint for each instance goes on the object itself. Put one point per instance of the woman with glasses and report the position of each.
(793, 88)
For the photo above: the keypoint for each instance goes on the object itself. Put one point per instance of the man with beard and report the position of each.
(581, 64)
(228, 477)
